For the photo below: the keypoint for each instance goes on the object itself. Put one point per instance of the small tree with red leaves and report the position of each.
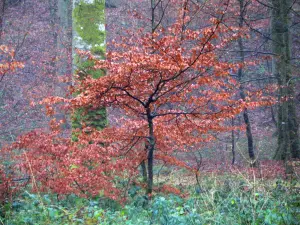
(174, 93)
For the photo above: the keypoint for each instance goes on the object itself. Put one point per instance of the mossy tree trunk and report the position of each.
(89, 34)
(288, 137)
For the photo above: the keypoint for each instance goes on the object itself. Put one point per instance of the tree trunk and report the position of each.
(54, 31)
(151, 147)
(64, 20)
(242, 93)
(151, 139)
(288, 137)
(91, 11)
(273, 116)
(232, 143)
(144, 171)
(63, 55)
(2, 5)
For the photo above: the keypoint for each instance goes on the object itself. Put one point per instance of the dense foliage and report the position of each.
(174, 92)
(235, 201)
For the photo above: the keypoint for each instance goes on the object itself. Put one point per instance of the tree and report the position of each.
(174, 93)
(245, 17)
(242, 10)
(288, 134)
(152, 81)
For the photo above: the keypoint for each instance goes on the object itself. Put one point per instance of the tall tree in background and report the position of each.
(2, 5)
(63, 58)
(288, 137)
(32, 29)
(242, 11)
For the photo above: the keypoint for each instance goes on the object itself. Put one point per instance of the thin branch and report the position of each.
(257, 79)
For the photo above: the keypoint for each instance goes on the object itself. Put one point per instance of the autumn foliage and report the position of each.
(8, 64)
(174, 92)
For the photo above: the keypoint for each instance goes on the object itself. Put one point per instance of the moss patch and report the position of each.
(89, 22)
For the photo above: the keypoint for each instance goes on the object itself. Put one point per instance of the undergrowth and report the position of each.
(216, 200)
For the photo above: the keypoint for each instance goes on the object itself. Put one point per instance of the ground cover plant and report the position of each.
(227, 199)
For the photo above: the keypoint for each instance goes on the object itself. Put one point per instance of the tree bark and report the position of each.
(151, 147)
(288, 137)
(64, 19)
(2, 5)
(96, 118)
(151, 139)
(232, 143)
(144, 171)
(63, 55)
(242, 93)
(53, 21)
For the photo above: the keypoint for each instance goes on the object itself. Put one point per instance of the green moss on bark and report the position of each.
(89, 24)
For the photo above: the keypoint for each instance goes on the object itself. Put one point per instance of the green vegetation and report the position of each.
(220, 200)
(89, 21)
(96, 118)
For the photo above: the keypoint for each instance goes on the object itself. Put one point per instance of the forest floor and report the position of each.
(227, 195)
